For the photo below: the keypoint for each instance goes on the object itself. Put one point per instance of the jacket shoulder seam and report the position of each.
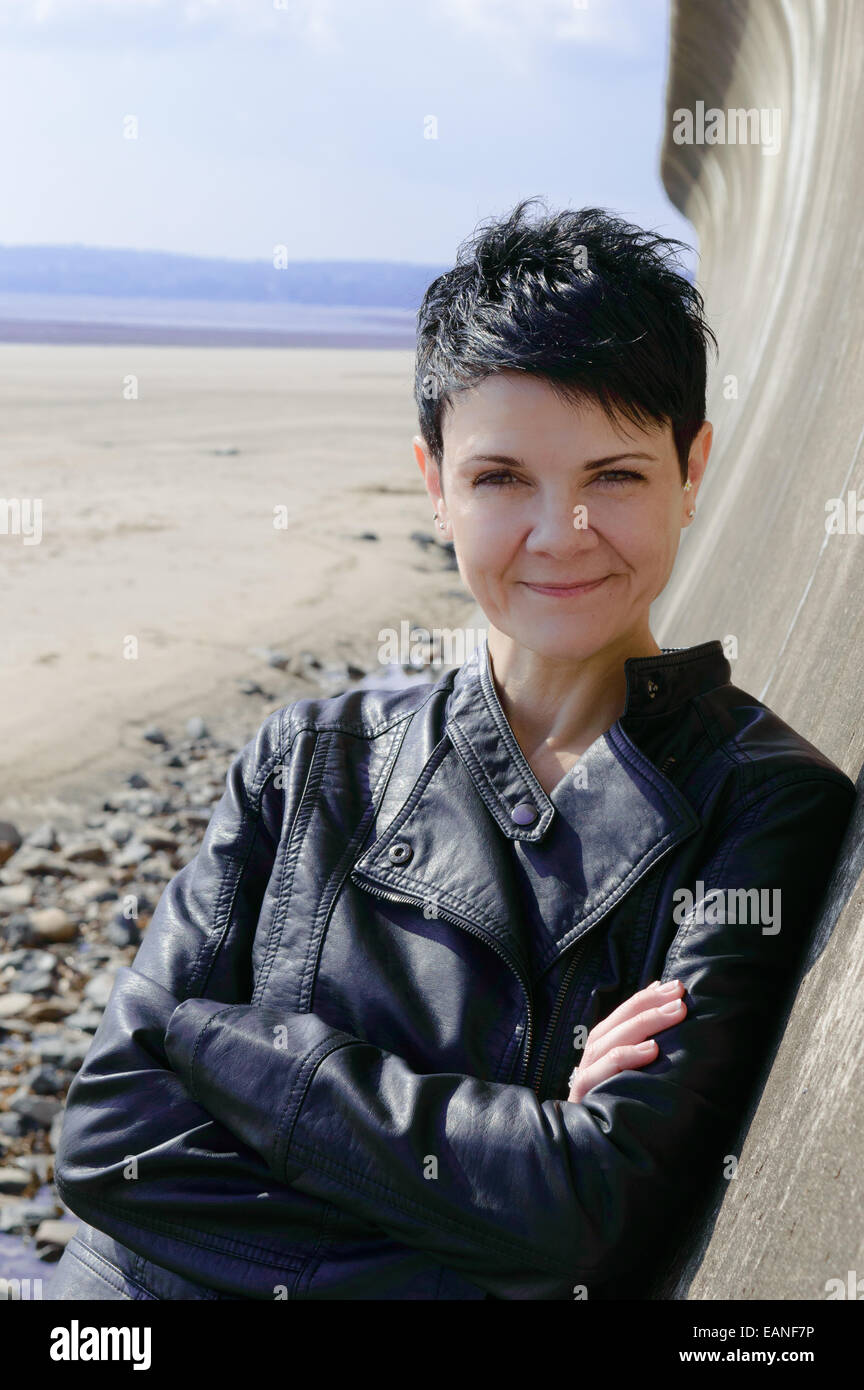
(746, 768)
(389, 721)
(751, 799)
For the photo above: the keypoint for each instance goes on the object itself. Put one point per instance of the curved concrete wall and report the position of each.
(782, 270)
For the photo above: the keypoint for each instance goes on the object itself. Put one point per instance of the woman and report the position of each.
(342, 1063)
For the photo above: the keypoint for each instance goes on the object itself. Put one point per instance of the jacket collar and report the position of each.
(617, 818)
(478, 728)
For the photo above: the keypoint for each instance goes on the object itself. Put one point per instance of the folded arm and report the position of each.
(528, 1199)
(139, 1157)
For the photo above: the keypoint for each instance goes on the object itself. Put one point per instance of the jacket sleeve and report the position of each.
(529, 1199)
(138, 1157)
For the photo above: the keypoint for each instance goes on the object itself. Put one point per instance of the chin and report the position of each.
(565, 637)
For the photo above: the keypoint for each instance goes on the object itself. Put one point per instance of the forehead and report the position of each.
(523, 415)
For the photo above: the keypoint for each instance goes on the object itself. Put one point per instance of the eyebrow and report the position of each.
(513, 462)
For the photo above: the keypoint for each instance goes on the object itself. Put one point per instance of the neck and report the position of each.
(560, 705)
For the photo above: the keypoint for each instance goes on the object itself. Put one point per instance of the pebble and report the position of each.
(53, 1232)
(119, 828)
(133, 853)
(157, 838)
(52, 924)
(12, 1004)
(122, 932)
(43, 837)
(89, 890)
(40, 1165)
(33, 861)
(10, 840)
(45, 1080)
(87, 851)
(280, 660)
(39, 1110)
(14, 895)
(98, 990)
(14, 1180)
(33, 981)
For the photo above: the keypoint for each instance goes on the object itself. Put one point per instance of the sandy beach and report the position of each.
(160, 472)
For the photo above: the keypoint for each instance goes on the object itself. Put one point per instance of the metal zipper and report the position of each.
(458, 921)
(565, 984)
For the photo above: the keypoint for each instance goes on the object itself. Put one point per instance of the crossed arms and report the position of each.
(192, 1103)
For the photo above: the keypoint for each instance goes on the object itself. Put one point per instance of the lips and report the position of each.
(573, 584)
(579, 586)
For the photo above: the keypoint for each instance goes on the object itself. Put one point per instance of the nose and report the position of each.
(561, 529)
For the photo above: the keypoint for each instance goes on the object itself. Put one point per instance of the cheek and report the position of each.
(487, 544)
(648, 544)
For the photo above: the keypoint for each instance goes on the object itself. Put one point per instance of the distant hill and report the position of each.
(120, 273)
(93, 294)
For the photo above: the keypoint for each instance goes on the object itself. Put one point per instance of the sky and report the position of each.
(307, 123)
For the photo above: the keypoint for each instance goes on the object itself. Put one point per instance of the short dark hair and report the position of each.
(590, 303)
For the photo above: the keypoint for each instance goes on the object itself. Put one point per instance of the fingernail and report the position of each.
(668, 986)
(671, 1008)
(645, 1046)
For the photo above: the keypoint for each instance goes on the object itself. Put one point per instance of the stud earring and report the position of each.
(435, 518)
(687, 488)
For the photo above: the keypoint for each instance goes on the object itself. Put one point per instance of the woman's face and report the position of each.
(511, 517)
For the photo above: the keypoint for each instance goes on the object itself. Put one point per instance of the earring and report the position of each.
(687, 485)
(691, 512)
(435, 518)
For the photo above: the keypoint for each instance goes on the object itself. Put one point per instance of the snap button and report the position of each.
(524, 813)
(400, 852)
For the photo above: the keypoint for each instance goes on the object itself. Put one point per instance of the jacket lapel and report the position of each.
(444, 848)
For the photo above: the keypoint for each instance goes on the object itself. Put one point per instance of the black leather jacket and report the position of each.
(337, 1067)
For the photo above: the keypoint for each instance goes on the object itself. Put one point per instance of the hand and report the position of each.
(625, 1039)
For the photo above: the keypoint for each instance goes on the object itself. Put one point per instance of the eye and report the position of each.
(495, 479)
(617, 476)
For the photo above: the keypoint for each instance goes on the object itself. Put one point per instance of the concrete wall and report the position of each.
(782, 270)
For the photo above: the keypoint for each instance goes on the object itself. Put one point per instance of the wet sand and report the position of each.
(160, 472)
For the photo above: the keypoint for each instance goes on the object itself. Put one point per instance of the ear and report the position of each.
(698, 458)
(429, 469)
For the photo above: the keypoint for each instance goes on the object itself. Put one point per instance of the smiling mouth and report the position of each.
(564, 590)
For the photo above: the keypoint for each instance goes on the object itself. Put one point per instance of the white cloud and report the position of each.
(103, 20)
